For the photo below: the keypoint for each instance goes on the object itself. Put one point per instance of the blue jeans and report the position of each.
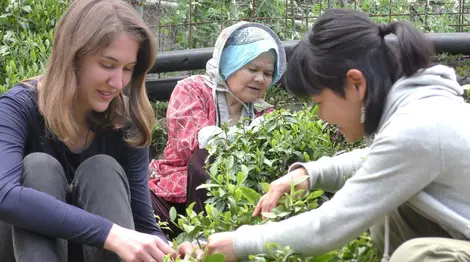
(100, 186)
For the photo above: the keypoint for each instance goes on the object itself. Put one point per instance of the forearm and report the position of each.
(136, 169)
(330, 173)
(144, 217)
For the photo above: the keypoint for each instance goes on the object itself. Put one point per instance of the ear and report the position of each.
(356, 80)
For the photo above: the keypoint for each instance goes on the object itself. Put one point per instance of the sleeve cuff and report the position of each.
(206, 133)
(107, 225)
(246, 242)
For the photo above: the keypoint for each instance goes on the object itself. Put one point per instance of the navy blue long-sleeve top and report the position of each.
(22, 131)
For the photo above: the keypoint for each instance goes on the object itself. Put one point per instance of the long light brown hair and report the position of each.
(86, 29)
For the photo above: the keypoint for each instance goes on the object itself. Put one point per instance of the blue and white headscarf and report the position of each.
(243, 46)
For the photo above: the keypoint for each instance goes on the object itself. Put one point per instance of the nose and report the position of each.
(259, 77)
(116, 80)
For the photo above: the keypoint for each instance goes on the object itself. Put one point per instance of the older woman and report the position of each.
(247, 59)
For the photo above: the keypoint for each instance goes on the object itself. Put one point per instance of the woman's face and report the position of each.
(250, 82)
(344, 112)
(102, 77)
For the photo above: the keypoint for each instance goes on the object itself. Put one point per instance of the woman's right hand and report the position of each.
(278, 188)
(133, 246)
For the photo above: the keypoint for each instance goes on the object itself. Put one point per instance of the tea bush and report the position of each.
(26, 33)
(246, 159)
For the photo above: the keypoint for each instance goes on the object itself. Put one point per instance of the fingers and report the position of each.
(222, 243)
(155, 251)
(156, 255)
(146, 256)
(272, 201)
(195, 253)
(267, 202)
(186, 249)
(164, 248)
(199, 253)
(257, 210)
(200, 256)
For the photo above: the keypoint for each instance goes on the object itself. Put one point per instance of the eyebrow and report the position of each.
(116, 60)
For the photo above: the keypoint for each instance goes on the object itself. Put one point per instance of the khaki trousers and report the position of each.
(414, 238)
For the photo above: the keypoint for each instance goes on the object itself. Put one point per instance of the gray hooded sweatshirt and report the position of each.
(419, 155)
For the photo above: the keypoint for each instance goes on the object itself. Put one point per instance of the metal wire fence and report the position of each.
(182, 24)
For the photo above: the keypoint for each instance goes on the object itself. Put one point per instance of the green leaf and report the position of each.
(251, 195)
(214, 258)
(265, 186)
(222, 192)
(239, 154)
(241, 176)
(227, 216)
(214, 168)
(229, 163)
(268, 214)
(317, 193)
(188, 229)
(299, 180)
(13, 65)
(232, 202)
(279, 209)
(209, 210)
(246, 169)
(208, 186)
(172, 214)
(268, 162)
(26, 8)
(190, 208)
(238, 194)
(306, 157)
(322, 258)
(283, 214)
(299, 155)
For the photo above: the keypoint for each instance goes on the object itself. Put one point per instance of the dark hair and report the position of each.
(344, 39)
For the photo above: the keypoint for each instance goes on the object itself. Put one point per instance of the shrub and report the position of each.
(26, 33)
(246, 160)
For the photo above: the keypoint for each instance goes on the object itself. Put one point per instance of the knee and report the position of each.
(41, 167)
(40, 161)
(101, 179)
(413, 249)
(100, 166)
(413, 244)
(102, 170)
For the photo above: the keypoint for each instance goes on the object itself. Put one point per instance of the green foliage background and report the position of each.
(26, 33)
(197, 23)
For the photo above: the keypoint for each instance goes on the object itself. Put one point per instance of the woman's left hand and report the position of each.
(222, 243)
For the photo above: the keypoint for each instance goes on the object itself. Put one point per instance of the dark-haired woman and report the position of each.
(410, 186)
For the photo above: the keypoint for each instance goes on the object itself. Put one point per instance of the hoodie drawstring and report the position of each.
(386, 256)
